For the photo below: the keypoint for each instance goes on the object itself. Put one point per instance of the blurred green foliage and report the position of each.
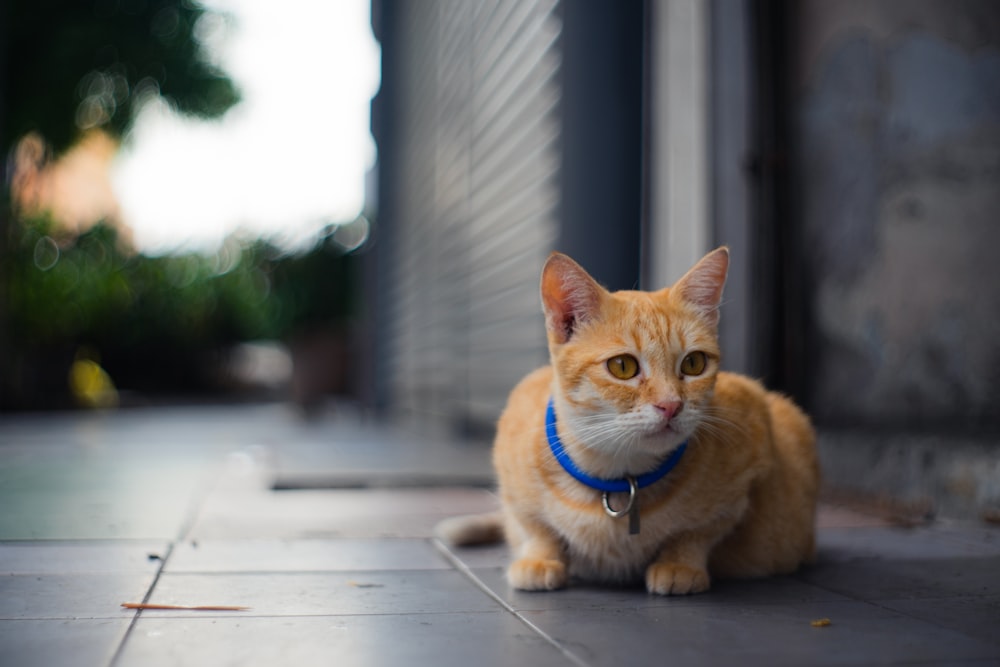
(159, 323)
(155, 323)
(66, 67)
(72, 65)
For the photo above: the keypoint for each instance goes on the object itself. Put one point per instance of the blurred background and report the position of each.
(194, 205)
(184, 197)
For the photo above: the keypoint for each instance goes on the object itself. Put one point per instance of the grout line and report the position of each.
(135, 617)
(469, 574)
(183, 533)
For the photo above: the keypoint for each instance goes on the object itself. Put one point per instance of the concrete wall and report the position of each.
(897, 182)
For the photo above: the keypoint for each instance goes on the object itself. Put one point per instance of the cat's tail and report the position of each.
(472, 529)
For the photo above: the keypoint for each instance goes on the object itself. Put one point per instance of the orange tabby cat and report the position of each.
(612, 493)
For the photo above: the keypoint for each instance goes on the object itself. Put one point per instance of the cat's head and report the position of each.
(633, 370)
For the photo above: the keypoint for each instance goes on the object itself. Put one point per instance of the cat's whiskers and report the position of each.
(603, 436)
(599, 432)
(719, 421)
(620, 449)
(626, 453)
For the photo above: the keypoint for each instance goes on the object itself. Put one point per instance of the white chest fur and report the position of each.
(599, 546)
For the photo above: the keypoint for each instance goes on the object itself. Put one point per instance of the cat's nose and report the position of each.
(668, 409)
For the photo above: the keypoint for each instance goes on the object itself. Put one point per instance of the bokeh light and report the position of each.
(284, 163)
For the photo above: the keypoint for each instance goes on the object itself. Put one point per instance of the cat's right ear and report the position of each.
(570, 297)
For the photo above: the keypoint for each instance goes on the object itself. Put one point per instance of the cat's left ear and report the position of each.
(702, 286)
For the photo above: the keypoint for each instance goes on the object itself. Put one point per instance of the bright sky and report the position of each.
(287, 160)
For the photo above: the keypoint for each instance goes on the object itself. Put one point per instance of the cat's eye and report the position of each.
(694, 364)
(623, 366)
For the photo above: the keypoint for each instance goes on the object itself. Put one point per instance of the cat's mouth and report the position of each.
(664, 426)
(672, 429)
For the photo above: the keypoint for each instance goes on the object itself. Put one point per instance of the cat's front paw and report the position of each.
(675, 579)
(535, 574)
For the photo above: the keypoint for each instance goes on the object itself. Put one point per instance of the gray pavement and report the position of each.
(338, 566)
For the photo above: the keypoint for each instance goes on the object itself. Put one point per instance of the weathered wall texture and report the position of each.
(897, 110)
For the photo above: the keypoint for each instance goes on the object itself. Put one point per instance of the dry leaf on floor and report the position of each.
(178, 607)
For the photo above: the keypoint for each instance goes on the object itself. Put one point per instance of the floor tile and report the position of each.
(837, 544)
(336, 452)
(304, 555)
(350, 576)
(327, 593)
(907, 579)
(335, 512)
(897, 544)
(98, 492)
(482, 556)
(70, 596)
(982, 535)
(483, 640)
(682, 634)
(60, 643)
(972, 616)
(580, 595)
(80, 557)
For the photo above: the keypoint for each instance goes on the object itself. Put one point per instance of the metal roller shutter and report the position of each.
(476, 212)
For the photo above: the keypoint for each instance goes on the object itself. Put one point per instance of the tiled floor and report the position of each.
(177, 507)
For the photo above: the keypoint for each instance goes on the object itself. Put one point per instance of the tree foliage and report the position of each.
(71, 65)
(156, 323)
(159, 323)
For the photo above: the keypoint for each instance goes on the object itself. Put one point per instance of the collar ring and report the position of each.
(633, 489)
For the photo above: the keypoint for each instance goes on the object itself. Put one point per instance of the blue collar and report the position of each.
(606, 485)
